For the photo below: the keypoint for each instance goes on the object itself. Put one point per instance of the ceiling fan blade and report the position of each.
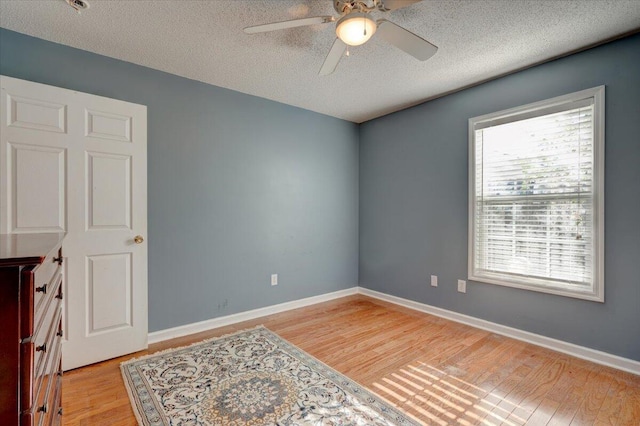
(334, 56)
(289, 24)
(386, 5)
(405, 40)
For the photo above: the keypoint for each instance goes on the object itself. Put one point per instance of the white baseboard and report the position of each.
(197, 327)
(588, 354)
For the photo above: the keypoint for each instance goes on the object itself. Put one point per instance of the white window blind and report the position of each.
(534, 219)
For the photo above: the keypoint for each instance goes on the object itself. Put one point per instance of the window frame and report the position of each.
(544, 107)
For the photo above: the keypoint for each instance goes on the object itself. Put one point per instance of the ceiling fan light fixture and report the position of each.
(356, 28)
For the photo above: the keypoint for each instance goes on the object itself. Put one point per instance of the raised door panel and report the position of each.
(108, 191)
(37, 188)
(106, 125)
(109, 292)
(36, 114)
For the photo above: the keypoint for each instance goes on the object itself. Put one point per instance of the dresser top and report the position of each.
(27, 249)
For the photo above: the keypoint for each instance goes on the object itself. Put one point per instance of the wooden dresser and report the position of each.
(31, 329)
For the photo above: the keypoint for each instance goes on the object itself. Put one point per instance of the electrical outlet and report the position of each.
(274, 279)
(462, 286)
(434, 281)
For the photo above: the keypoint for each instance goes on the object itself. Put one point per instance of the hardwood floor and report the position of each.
(439, 371)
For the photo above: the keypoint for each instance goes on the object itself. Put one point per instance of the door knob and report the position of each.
(138, 239)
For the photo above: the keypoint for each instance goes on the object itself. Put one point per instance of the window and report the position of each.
(536, 196)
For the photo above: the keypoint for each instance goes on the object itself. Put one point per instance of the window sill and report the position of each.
(593, 296)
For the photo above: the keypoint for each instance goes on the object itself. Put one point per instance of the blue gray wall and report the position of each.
(242, 187)
(413, 202)
(238, 187)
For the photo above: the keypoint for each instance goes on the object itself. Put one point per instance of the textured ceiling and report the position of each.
(203, 40)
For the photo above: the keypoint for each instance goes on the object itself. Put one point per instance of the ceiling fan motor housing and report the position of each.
(78, 5)
(344, 7)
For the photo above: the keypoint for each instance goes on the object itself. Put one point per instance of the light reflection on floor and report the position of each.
(436, 397)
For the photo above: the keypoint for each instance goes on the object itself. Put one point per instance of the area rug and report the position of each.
(252, 377)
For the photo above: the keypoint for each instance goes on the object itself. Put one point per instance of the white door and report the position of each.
(77, 163)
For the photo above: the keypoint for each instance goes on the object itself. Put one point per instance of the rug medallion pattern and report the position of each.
(249, 378)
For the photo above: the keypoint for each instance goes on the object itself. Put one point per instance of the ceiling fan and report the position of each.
(355, 26)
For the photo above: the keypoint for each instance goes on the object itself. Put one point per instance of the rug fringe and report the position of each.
(132, 397)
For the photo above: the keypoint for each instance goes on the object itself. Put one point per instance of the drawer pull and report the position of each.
(43, 408)
(42, 289)
(59, 333)
(58, 260)
(42, 347)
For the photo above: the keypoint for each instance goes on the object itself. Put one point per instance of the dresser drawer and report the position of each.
(39, 355)
(45, 288)
(42, 316)
(39, 285)
(46, 329)
(44, 403)
(42, 275)
(56, 413)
